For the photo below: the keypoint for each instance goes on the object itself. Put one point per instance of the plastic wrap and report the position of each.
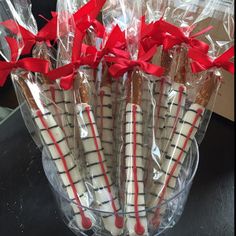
(21, 9)
(119, 133)
(46, 105)
(54, 140)
(102, 186)
(6, 15)
(190, 100)
(131, 126)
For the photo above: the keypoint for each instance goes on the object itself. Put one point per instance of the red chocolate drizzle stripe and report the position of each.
(157, 212)
(139, 229)
(86, 222)
(118, 219)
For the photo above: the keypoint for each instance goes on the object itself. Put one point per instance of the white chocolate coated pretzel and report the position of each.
(176, 154)
(53, 98)
(136, 220)
(105, 125)
(161, 93)
(106, 196)
(68, 171)
(176, 104)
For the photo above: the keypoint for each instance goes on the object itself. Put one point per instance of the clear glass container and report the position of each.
(173, 207)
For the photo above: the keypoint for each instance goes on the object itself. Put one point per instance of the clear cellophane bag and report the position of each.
(189, 98)
(121, 151)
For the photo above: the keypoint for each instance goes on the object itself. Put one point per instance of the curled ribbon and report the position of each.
(202, 62)
(176, 36)
(29, 64)
(123, 65)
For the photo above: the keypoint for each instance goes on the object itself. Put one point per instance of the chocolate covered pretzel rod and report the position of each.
(55, 141)
(105, 194)
(118, 90)
(161, 92)
(53, 98)
(180, 144)
(136, 220)
(64, 58)
(105, 120)
(91, 73)
(176, 101)
(147, 108)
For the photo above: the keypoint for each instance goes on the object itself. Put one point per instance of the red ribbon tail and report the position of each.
(117, 70)
(64, 71)
(229, 66)
(196, 67)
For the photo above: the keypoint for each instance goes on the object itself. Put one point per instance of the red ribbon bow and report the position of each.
(203, 62)
(46, 34)
(92, 8)
(87, 22)
(176, 36)
(29, 64)
(86, 17)
(151, 34)
(81, 54)
(115, 41)
(123, 65)
(67, 73)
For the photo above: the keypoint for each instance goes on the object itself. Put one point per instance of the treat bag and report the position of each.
(70, 17)
(108, 101)
(112, 17)
(176, 43)
(206, 85)
(132, 129)
(7, 19)
(177, 40)
(98, 145)
(106, 199)
(220, 38)
(104, 189)
(54, 140)
(51, 94)
(155, 12)
(28, 28)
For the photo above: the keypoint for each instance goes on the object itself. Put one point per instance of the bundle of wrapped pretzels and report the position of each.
(117, 103)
